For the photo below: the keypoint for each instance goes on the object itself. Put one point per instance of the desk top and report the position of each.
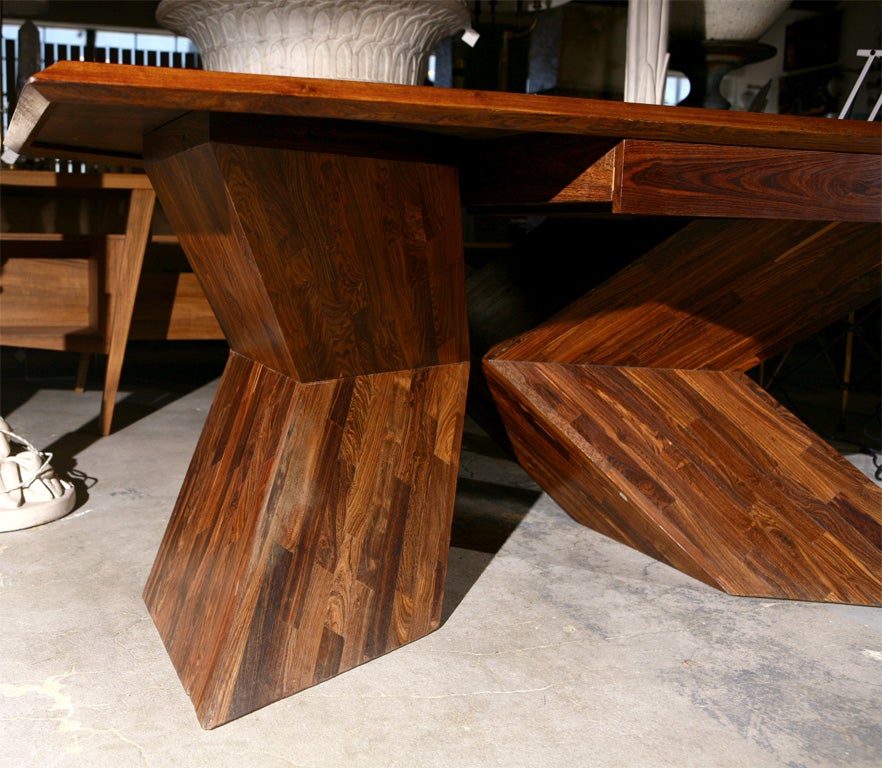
(78, 181)
(103, 111)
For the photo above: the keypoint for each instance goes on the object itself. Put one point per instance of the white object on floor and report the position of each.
(30, 492)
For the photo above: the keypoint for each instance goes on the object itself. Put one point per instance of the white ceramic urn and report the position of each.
(372, 40)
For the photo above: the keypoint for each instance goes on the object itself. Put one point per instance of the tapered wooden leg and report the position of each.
(312, 529)
(82, 371)
(141, 204)
(632, 409)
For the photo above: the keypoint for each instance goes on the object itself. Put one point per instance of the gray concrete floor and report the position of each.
(559, 647)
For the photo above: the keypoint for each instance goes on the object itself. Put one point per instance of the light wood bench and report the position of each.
(72, 285)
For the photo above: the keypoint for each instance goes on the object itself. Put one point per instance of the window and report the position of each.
(70, 43)
(676, 89)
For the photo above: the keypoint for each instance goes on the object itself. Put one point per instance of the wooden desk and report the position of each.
(312, 530)
(70, 286)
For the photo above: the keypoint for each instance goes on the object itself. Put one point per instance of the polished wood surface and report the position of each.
(312, 532)
(666, 178)
(721, 294)
(631, 408)
(331, 285)
(71, 103)
(700, 469)
(323, 219)
(669, 179)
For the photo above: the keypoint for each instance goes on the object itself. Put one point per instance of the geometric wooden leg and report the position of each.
(632, 409)
(311, 534)
(312, 528)
(702, 470)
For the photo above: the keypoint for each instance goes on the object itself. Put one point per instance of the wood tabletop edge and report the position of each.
(157, 88)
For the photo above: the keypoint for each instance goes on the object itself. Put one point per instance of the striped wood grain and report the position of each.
(68, 107)
(298, 348)
(312, 530)
(631, 408)
(663, 178)
(311, 534)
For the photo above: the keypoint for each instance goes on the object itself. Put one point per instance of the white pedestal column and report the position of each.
(646, 60)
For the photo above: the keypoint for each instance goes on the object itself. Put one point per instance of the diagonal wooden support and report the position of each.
(632, 410)
(312, 532)
(323, 220)
(293, 553)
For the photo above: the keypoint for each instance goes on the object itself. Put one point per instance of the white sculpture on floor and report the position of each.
(30, 492)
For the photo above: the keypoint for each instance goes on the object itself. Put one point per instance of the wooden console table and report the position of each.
(66, 289)
(323, 217)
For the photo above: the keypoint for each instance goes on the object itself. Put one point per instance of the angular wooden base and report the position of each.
(311, 534)
(784, 515)
(312, 529)
(632, 410)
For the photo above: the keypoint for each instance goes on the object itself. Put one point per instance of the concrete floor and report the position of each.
(559, 647)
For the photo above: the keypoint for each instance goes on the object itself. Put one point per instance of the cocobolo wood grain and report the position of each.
(311, 534)
(84, 97)
(631, 408)
(323, 221)
(312, 531)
